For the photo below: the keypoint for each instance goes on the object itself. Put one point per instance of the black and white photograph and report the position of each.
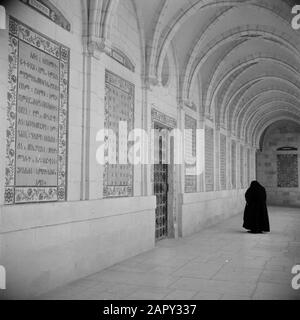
(149, 151)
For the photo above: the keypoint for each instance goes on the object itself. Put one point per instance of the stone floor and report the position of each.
(220, 262)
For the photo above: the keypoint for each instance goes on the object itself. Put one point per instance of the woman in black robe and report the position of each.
(256, 217)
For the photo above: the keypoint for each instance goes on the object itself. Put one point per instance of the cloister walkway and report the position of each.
(220, 262)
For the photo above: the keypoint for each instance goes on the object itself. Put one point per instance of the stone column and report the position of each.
(146, 125)
(180, 177)
(93, 118)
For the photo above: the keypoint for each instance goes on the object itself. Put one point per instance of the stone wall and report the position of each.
(205, 209)
(44, 246)
(278, 163)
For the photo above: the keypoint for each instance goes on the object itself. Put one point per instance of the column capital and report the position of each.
(95, 46)
(190, 104)
(217, 126)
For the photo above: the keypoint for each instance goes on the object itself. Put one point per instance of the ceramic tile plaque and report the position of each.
(37, 112)
(119, 107)
(248, 166)
(190, 154)
(223, 161)
(242, 166)
(233, 164)
(287, 170)
(209, 159)
(165, 120)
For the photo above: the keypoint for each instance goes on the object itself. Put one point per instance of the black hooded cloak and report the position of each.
(256, 217)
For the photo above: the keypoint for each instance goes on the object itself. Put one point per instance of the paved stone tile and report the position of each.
(198, 270)
(166, 270)
(275, 290)
(149, 293)
(174, 262)
(180, 295)
(139, 267)
(237, 273)
(220, 262)
(70, 290)
(274, 267)
(283, 277)
(218, 286)
(203, 295)
(247, 263)
(273, 297)
(121, 289)
(229, 296)
(96, 295)
(146, 279)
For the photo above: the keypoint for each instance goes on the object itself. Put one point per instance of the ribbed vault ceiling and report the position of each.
(244, 53)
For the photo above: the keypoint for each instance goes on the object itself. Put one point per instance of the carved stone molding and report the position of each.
(153, 81)
(122, 58)
(190, 104)
(162, 118)
(97, 46)
(47, 9)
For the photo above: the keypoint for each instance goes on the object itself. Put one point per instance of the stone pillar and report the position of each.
(93, 119)
(179, 178)
(146, 168)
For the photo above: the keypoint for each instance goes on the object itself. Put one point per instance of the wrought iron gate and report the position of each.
(161, 192)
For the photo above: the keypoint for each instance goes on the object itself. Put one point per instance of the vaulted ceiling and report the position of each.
(244, 53)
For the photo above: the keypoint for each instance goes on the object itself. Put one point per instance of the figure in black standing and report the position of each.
(256, 218)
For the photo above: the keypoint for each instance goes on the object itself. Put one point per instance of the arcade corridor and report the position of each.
(220, 262)
(125, 124)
